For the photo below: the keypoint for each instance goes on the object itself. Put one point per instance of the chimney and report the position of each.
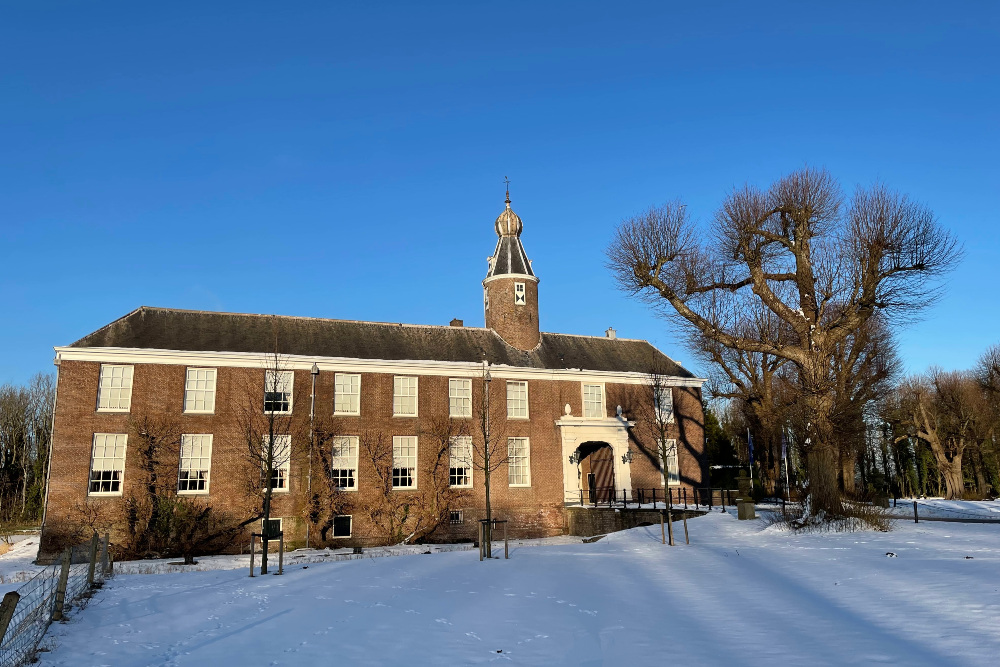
(610, 333)
(457, 323)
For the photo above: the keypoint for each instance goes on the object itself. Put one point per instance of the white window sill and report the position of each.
(520, 419)
(104, 494)
(406, 416)
(460, 416)
(192, 493)
(404, 488)
(347, 489)
(121, 411)
(519, 486)
(347, 414)
(460, 486)
(340, 537)
(199, 412)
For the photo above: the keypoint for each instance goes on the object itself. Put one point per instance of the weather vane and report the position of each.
(507, 181)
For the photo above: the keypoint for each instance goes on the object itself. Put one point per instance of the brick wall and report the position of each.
(158, 391)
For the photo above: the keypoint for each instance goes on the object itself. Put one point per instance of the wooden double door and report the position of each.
(597, 471)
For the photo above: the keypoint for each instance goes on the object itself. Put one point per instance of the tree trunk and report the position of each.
(953, 478)
(848, 466)
(823, 456)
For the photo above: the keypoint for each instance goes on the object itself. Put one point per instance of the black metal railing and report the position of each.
(680, 496)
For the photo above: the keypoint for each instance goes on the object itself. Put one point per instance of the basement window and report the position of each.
(342, 526)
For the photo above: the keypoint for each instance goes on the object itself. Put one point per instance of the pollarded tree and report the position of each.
(821, 268)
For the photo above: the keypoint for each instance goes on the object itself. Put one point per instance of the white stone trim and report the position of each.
(122, 355)
(575, 431)
(518, 276)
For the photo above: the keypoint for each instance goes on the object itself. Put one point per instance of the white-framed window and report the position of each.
(663, 403)
(281, 461)
(404, 396)
(196, 463)
(672, 475)
(107, 464)
(518, 462)
(114, 391)
(342, 525)
(278, 391)
(519, 294)
(344, 462)
(456, 517)
(460, 462)
(347, 394)
(593, 400)
(199, 390)
(517, 400)
(460, 397)
(404, 461)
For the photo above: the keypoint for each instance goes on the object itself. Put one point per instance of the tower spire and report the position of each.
(507, 181)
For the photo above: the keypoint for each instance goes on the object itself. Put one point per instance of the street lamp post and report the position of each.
(314, 371)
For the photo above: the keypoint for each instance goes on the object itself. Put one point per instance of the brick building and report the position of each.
(578, 413)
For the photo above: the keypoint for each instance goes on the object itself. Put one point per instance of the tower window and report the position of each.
(519, 294)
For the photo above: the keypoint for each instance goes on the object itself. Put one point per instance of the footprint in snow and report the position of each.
(412, 611)
(473, 635)
(443, 621)
(587, 611)
(510, 595)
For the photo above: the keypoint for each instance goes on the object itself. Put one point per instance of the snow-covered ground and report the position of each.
(17, 565)
(740, 594)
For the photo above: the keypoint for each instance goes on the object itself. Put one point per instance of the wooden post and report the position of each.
(105, 553)
(57, 614)
(710, 492)
(687, 540)
(93, 559)
(685, 498)
(697, 504)
(251, 554)
(505, 552)
(663, 534)
(480, 541)
(7, 608)
(916, 518)
(670, 526)
(281, 552)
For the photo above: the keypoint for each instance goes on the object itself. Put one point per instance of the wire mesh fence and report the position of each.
(30, 609)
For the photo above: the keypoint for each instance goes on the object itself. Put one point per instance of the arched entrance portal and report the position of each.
(597, 471)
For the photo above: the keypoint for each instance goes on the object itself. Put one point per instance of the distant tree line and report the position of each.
(25, 434)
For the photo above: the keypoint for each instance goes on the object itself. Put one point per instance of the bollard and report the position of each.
(105, 553)
(505, 552)
(93, 560)
(251, 554)
(281, 552)
(7, 608)
(57, 613)
(916, 518)
(670, 526)
(687, 540)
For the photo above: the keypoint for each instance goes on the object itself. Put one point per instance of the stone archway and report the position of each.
(597, 471)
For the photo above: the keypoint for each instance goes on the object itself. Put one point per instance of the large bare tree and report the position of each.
(820, 267)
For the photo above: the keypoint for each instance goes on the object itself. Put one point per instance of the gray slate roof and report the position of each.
(200, 331)
(509, 257)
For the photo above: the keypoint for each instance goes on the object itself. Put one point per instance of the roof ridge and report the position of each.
(297, 317)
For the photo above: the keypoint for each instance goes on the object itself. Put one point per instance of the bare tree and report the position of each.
(489, 440)
(822, 270)
(387, 510)
(269, 434)
(948, 411)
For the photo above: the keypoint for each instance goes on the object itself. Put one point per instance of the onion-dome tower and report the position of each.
(510, 290)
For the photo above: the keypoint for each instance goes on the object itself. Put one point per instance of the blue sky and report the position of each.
(347, 160)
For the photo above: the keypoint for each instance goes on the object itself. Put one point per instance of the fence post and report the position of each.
(697, 503)
(481, 540)
(93, 559)
(916, 518)
(663, 532)
(506, 554)
(105, 553)
(685, 492)
(57, 614)
(687, 540)
(251, 554)
(7, 608)
(710, 492)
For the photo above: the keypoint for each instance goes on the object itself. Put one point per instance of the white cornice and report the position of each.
(344, 364)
